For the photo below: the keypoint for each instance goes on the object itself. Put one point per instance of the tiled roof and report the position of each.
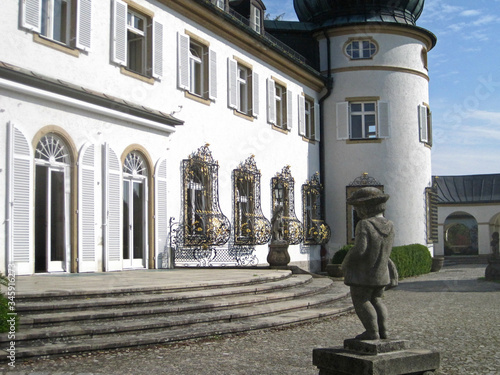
(468, 189)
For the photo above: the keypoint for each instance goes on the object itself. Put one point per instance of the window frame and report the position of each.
(140, 34)
(243, 92)
(362, 52)
(256, 18)
(344, 120)
(364, 114)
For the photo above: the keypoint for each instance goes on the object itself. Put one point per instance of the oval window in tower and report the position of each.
(360, 49)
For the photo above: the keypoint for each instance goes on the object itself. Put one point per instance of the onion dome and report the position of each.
(341, 12)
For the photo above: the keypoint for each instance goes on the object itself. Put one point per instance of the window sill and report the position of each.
(359, 141)
(56, 45)
(197, 98)
(138, 76)
(308, 140)
(243, 115)
(278, 129)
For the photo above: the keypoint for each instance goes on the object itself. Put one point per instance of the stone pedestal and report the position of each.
(278, 256)
(375, 357)
(492, 272)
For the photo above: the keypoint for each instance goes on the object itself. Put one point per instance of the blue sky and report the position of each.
(464, 68)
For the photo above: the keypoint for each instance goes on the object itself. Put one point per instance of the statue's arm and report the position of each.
(360, 246)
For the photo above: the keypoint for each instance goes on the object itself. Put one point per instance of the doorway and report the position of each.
(52, 191)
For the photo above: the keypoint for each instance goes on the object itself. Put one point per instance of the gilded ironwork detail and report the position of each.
(365, 180)
(250, 226)
(203, 223)
(286, 225)
(316, 231)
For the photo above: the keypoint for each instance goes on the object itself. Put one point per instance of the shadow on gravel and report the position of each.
(453, 286)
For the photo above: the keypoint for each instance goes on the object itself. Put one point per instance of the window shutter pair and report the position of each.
(232, 86)
(119, 39)
(302, 118)
(183, 68)
(424, 124)
(343, 120)
(112, 208)
(271, 105)
(31, 17)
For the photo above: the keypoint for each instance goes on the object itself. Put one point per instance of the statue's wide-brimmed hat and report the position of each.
(367, 196)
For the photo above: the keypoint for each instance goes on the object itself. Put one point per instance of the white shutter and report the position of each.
(161, 222)
(255, 94)
(383, 120)
(31, 14)
(183, 61)
(271, 101)
(86, 209)
(422, 122)
(157, 50)
(83, 24)
(289, 110)
(302, 115)
(20, 201)
(317, 122)
(342, 120)
(232, 83)
(212, 74)
(112, 185)
(119, 42)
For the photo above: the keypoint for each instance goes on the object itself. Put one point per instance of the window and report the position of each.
(256, 19)
(284, 222)
(361, 49)
(279, 105)
(135, 191)
(137, 40)
(308, 118)
(197, 67)
(362, 119)
(250, 225)
(316, 231)
(425, 124)
(66, 22)
(219, 3)
(52, 201)
(243, 88)
(203, 222)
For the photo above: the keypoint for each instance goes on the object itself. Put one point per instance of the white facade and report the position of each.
(122, 104)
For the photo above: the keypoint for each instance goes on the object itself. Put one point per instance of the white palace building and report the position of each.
(170, 133)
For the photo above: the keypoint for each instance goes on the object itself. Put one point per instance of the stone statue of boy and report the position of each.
(365, 266)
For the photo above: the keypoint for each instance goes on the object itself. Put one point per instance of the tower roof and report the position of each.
(339, 12)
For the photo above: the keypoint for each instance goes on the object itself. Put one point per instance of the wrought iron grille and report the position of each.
(316, 231)
(250, 226)
(285, 222)
(203, 223)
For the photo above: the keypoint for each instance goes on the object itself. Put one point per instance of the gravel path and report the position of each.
(451, 311)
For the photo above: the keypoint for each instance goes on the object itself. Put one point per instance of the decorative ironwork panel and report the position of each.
(202, 220)
(285, 225)
(365, 180)
(250, 226)
(316, 231)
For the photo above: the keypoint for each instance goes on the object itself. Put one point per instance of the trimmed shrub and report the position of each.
(412, 260)
(4, 309)
(339, 256)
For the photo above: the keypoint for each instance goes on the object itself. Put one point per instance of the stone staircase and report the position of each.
(61, 323)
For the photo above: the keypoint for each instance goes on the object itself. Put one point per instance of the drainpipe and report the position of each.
(329, 88)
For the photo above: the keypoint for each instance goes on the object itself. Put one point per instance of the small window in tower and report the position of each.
(361, 49)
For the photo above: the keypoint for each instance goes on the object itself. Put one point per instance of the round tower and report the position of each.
(377, 119)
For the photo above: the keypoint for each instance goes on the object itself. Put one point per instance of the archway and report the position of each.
(460, 234)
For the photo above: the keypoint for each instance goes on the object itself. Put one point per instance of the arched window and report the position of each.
(52, 201)
(135, 192)
(460, 234)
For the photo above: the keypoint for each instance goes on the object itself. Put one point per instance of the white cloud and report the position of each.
(485, 20)
(470, 13)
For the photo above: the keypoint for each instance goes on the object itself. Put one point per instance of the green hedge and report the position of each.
(412, 260)
(339, 256)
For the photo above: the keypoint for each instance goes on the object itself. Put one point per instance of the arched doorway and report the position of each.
(135, 208)
(52, 204)
(460, 234)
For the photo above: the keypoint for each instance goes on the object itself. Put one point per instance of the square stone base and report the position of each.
(375, 357)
